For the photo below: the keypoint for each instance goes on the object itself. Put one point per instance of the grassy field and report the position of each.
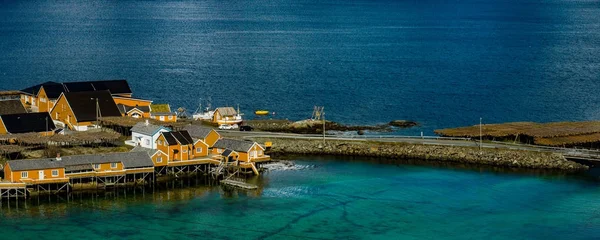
(549, 134)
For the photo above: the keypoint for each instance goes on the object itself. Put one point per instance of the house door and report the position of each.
(41, 175)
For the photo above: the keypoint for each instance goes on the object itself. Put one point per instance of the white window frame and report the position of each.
(147, 141)
(162, 118)
(159, 142)
(198, 150)
(159, 159)
(55, 171)
(219, 150)
(43, 100)
(96, 166)
(184, 150)
(25, 174)
(170, 117)
(113, 165)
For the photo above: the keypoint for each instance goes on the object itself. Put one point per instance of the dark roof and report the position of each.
(227, 152)
(198, 131)
(183, 137)
(146, 129)
(170, 138)
(129, 160)
(28, 122)
(83, 105)
(34, 164)
(35, 89)
(150, 151)
(11, 107)
(53, 91)
(124, 108)
(80, 167)
(187, 136)
(79, 86)
(233, 144)
(113, 86)
(135, 159)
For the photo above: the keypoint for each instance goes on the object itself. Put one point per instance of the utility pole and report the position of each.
(97, 111)
(323, 115)
(480, 134)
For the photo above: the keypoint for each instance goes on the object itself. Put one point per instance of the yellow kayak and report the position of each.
(261, 112)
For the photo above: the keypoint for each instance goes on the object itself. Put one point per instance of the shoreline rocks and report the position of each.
(492, 157)
(316, 127)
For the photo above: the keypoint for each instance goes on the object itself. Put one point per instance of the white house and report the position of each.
(145, 135)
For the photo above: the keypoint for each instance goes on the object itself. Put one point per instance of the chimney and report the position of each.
(58, 157)
(147, 123)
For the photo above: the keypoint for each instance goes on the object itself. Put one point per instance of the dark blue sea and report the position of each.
(441, 63)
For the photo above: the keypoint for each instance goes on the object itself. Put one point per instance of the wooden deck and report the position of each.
(45, 181)
(264, 158)
(140, 170)
(10, 185)
(239, 184)
(81, 175)
(198, 161)
(110, 173)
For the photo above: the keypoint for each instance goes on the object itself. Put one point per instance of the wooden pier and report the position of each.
(238, 184)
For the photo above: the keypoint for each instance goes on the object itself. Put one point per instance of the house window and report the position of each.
(184, 150)
(162, 118)
(147, 141)
(260, 152)
(160, 142)
(42, 100)
(198, 150)
(55, 173)
(113, 165)
(96, 166)
(219, 150)
(170, 117)
(24, 174)
(159, 160)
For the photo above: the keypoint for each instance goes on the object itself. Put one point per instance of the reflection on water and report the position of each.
(186, 189)
(119, 198)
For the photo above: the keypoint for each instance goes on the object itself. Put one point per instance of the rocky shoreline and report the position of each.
(469, 155)
(316, 127)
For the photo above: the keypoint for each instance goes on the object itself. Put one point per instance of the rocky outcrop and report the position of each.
(403, 123)
(494, 157)
(316, 127)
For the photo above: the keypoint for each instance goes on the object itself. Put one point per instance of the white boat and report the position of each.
(203, 114)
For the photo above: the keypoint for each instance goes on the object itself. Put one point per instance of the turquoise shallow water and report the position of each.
(330, 199)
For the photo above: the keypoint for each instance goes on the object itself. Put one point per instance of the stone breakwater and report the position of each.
(470, 155)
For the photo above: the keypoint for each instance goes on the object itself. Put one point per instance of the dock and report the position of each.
(239, 184)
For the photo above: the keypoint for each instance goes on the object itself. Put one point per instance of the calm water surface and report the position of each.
(331, 199)
(441, 63)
